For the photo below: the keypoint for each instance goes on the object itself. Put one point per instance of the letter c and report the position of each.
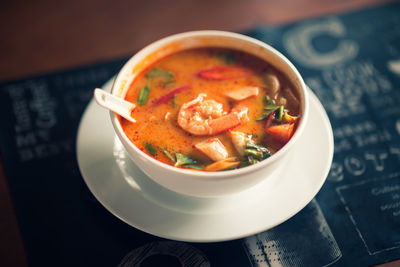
(298, 43)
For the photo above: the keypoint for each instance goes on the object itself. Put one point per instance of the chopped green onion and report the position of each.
(150, 148)
(143, 95)
(279, 113)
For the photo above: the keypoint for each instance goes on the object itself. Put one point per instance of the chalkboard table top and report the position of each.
(348, 55)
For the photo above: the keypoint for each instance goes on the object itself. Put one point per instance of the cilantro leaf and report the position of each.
(183, 160)
(164, 75)
(269, 107)
(151, 149)
(168, 155)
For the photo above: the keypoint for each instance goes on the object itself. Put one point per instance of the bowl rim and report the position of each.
(214, 175)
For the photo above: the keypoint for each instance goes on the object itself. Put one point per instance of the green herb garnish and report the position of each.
(151, 149)
(271, 106)
(258, 152)
(143, 95)
(192, 166)
(227, 57)
(183, 160)
(168, 155)
(279, 113)
(159, 73)
(253, 153)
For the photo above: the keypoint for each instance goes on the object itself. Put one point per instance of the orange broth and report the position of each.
(157, 126)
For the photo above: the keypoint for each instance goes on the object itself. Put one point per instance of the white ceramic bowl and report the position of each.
(198, 183)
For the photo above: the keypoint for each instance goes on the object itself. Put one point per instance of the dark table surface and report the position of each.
(43, 36)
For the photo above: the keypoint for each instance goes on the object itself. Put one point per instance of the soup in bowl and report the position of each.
(215, 112)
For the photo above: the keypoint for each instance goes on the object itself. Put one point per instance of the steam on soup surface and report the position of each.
(211, 109)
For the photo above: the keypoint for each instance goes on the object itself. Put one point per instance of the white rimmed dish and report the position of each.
(126, 192)
(198, 183)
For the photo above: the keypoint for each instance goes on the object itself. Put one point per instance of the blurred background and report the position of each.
(46, 35)
(42, 36)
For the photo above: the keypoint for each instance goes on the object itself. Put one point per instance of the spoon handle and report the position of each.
(115, 104)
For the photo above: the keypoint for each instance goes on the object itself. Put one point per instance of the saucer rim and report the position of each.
(224, 237)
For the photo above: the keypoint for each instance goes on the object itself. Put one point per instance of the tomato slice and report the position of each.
(282, 132)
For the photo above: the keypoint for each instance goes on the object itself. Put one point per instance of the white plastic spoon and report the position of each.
(115, 104)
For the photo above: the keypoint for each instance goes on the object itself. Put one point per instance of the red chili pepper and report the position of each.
(169, 95)
(223, 73)
(269, 119)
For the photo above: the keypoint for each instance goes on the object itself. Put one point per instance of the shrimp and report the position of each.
(207, 117)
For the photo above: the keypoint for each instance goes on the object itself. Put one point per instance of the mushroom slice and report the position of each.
(243, 93)
(273, 84)
(213, 148)
(222, 164)
(239, 141)
(291, 97)
(289, 118)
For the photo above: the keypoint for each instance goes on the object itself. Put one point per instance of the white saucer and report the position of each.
(128, 194)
